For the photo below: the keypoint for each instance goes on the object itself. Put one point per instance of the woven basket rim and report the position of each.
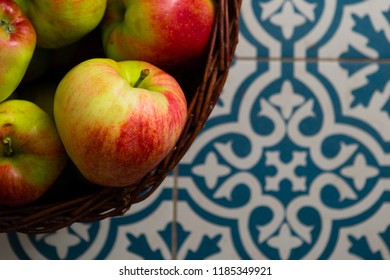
(102, 202)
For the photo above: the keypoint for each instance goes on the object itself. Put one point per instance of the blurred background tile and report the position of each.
(294, 153)
(315, 29)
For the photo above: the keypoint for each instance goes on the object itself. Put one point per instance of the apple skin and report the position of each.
(170, 34)
(17, 45)
(59, 23)
(38, 156)
(113, 132)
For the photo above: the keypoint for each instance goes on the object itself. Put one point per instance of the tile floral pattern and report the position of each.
(294, 162)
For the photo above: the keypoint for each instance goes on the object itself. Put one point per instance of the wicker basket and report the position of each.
(60, 208)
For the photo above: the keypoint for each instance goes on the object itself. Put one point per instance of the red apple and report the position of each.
(31, 153)
(118, 120)
(168, 33)
(17, 44)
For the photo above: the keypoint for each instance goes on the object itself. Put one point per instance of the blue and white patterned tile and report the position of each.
(315, 29)
(143, 233)
(200, 238)
(79, 241)
(369, 240)
(289, 157)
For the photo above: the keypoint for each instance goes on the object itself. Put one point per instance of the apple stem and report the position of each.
(8, 146)
(6, 26)
(144, 73)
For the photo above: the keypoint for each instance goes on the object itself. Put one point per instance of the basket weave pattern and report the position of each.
(98, 202)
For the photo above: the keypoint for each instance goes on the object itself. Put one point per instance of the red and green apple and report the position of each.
(31, 153)
(17, 45)
(118, 120)
(168, 33)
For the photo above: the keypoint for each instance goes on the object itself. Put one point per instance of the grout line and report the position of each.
(315, 59)
(174, 212)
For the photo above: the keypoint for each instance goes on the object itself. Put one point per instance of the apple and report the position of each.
(59, 23)
(17, 45)
(118, 120)
(32, 155)
(171, 34)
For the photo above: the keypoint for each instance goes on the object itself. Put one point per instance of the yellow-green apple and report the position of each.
(17, 44)
(170, 34)
(118, 120)
(61, 22)
(31, 153)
